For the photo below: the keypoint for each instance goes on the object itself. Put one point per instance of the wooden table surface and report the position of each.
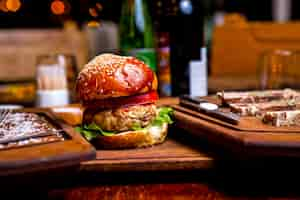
(226, 178)
(226, 182)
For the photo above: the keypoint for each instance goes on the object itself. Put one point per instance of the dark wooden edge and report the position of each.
(152, 164)
(241, 144)
(47, 156)
(207, 130)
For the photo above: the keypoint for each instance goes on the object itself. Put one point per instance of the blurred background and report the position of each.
(194, 46)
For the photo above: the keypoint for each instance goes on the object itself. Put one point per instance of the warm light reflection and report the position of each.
(13, 5)
(99, 6)
(93, 12)
(93, 24)
(10, 5)
(159, 4)
(3, 6)
(58, 7)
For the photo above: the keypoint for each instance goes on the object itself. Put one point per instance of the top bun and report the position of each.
(109, 75)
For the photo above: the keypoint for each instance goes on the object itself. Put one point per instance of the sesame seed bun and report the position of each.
(109, 75)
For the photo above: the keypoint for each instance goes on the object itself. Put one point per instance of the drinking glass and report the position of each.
(55, 78)
(278, 69)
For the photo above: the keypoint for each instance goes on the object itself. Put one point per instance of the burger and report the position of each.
(118, 94)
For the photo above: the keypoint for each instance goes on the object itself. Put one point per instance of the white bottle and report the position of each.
(198, 75)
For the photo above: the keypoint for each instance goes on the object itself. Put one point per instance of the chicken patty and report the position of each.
(123, 119)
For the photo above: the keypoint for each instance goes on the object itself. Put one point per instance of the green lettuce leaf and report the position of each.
(87, 134)
(90, 131)
(137, 127)
(164, 116)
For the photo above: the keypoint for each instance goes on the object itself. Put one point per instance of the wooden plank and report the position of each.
(252, 142)
(171, 155)
(250, 41)
(20, 47)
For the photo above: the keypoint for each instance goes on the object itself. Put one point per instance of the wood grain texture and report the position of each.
(230, 183)
(141, 191)
(172, 191)
(171, 155)
(71, 114)
(250, 40)
(242, 143)
(203, 185)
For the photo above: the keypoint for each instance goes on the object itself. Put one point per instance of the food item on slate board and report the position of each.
(275, 107)
(282, 118)
(252, 109)
(21, 129)
(257, 96)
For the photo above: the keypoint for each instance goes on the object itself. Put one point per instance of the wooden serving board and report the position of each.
(249, 138)
(170, 155)
(45, 156)
(178, 152)
(247, 123)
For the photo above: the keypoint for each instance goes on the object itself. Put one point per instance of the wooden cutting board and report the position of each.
(244, 142)
(176, 153)
(247, 123)
(171, 155)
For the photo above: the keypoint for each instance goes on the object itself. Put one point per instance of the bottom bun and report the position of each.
(133, 139)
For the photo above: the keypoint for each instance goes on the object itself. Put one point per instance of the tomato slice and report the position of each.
(110, 103)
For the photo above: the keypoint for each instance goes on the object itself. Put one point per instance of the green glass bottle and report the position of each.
(136, 32)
